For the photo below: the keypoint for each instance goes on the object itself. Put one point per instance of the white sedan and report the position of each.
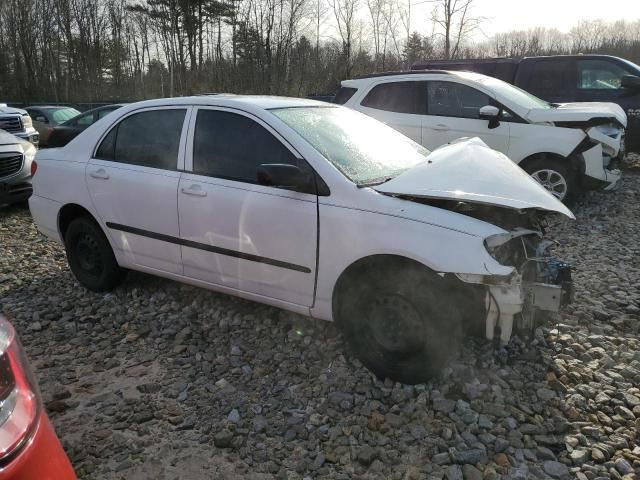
(313, 208)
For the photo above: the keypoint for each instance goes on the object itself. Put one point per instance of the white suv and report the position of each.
(564, 147)
(310, 207)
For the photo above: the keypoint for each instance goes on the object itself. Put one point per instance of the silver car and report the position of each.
(16, 168)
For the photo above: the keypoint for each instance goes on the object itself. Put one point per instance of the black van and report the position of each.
(565, 78)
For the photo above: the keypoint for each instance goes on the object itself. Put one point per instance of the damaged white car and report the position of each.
(313, 208)
(565, 147)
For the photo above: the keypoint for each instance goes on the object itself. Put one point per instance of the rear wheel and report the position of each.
(90, 256)
(399, 320)
(555, 176)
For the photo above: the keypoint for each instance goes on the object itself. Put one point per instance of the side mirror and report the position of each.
(282, 175)
(491, 113)
(631, 82)
(41, 118)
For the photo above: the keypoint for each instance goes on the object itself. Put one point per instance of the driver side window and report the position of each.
(599, 75)
(231, 146)
(450, 99)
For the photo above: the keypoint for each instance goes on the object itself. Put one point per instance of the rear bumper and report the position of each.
(42, 458)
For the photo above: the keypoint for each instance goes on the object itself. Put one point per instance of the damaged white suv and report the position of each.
(564, 147)
(313, 208)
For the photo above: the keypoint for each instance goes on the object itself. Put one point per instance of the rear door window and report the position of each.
(548, 79)
(399, 97)
(450, 99)
(149, 139)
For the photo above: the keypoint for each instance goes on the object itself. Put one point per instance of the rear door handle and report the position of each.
(101, 173)
(441, 127)
(195, 190)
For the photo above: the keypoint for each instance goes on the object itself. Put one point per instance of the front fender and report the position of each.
(348, 235)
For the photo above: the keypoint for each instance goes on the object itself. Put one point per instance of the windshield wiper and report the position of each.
(374, 182)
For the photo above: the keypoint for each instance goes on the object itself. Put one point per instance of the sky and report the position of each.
(506, 15)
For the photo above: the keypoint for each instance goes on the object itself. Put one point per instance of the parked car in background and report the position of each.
(45, 118)
(29, 447)
(65, 132)
(16, 168)
(565, 148)
(18, 122)
(565, 78)
(313, 208)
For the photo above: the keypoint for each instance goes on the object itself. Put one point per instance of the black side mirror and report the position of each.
(282, 175)
(631, 82)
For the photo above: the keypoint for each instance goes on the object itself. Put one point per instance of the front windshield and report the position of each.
(364, 150)
(635, 69)
(64, 114)
(513, 95)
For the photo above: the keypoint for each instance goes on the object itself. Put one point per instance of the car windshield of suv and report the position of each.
(366, 151)
(514, 95)
(63, 114)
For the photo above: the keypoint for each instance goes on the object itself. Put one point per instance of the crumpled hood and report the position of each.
(469, 171)
(578, 112)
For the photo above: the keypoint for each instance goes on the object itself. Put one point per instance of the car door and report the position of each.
(133, 181)
(453, 111)
(236, 233)
(399, 104)
(600, 80)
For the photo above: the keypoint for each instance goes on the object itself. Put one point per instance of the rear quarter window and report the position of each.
(344, 94)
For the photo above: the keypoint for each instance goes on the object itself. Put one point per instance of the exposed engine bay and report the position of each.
(539, 283)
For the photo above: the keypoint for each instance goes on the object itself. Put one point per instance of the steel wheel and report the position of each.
(553, 181)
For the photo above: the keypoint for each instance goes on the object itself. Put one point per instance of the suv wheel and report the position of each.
(90, 256)
(555, 177)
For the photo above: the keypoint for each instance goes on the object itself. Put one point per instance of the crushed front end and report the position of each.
(539, 282)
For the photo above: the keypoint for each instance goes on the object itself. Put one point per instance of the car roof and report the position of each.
(364, 79)
(264, 102)
(49, 107)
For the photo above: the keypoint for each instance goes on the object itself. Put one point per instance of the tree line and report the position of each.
(119, 50)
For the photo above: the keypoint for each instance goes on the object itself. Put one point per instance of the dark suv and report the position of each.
(565, 78)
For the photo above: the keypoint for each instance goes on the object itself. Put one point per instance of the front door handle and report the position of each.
(101, 173)
(194, 190)
(441, 127)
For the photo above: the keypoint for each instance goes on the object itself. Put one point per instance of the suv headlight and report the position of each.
(26, 121)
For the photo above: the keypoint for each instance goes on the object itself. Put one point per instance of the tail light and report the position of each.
(19, 398)
(34, 167)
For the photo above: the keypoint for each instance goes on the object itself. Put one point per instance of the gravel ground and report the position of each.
(163, 381)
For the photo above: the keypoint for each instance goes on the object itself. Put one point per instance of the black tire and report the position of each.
(90, 256)
(547, 170)
(399, 319)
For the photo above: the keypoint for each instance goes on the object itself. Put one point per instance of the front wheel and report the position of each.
(554, 176)
(399, 320)
(90, 256)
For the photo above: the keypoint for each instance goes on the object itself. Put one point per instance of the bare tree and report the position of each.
(456, 19)
(344, 12)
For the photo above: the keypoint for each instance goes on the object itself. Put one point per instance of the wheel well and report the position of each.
(573, 160)
(68, 213)
(360, 267)
(469, 298)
